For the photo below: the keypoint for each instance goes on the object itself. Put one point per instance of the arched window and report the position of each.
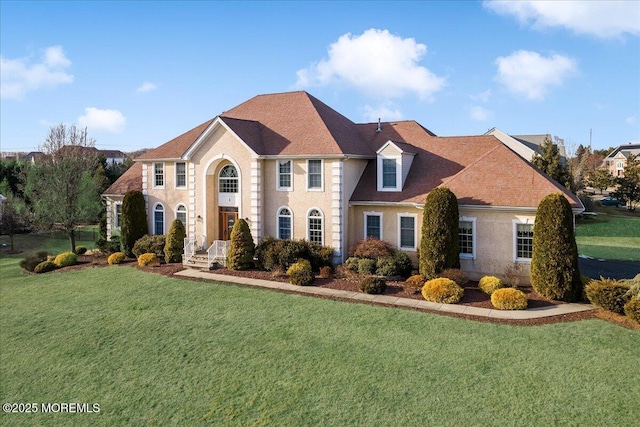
(181, 214)
(315, 226)
(284, 223)
(158, 219)
(228, 179)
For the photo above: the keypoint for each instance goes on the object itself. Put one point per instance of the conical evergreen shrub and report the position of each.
(439, 245)
(174, 245)
(134, 220)
(241, 249)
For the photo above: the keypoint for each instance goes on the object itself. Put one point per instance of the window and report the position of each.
(284, 223)
(158, 219)
(181, 214)
(118, 216)
(373, 225)
(314, 173)
(407, 232)
(389, 173)
(228, 182)
(158, 172)
(315, 226)
(181, 174)
(467, 237)
(284, 175)
(620, 165)
(524, 241)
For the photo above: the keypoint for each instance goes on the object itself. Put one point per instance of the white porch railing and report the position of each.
(218, 251)
(192, 245)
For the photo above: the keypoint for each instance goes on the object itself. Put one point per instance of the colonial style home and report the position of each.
(617, 159)
(295, 168)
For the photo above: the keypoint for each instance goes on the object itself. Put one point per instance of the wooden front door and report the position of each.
(227, 218)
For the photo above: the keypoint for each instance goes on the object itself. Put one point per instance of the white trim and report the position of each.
(323, 224)
(290, 187)
(371, 213)
(164, 218)
(216, 159)
(186, 175)
(415, 231)
(213, 126)
(380, 179)
(321, 188)
(290, 216)
(164, 176)
(186, 211)
(474, 242)
(116, 224)
(522, 220)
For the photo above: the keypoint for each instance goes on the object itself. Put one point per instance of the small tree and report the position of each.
(439, 246)
(550, 163)
(15, 215)
(554, 263)
(174, 246)
(628, 188)
(241, 248)
(602, 179)
(134, 220)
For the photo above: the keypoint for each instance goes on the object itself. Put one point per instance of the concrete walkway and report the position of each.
(532, 313)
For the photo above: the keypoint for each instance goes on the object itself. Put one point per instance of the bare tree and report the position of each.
(64, 187)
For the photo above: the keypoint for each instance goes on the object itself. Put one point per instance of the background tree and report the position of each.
(63, 187)
(554, 263)
(628, 186)
(602, 179)
(174, 245)
(134, 220)
(550, 163)
(13, 172)
(15, 215)
(439, 245)
(241, 249)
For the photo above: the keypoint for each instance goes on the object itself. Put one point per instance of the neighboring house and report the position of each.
(113, 157)
(617, 159)
(529, 145)
(295, 168)
(35, 156)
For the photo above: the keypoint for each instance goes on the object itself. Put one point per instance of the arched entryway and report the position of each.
(223, 198)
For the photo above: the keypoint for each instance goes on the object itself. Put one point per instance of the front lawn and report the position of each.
(153, 350)
(609, 237)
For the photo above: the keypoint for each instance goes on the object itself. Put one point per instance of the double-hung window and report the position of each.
(315, 226)
(284, 223)
(181, 214)
(314, 174)
(524, 241)
(373, 225)
(158, 174)
(158, 219)
(389, 176)
(407, 231)
(118, 215)
(181, 175)
(466, 235)
(285, 178)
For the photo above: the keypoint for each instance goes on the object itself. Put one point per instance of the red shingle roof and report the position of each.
(130, 180)
(175, 148)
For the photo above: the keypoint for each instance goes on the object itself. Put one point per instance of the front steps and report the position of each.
(200, 261)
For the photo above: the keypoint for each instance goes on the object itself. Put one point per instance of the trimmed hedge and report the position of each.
(150, 244)
(148, 260)
(241, 248)
(134, 221)
(174, 244)
(632, 309)
(372, 248)
(373, 285)
(442, 290)
(489, 284)
(273, 254)
(415, 281)
(66, 259)
(300, 273)
(609, 294)
(45, 267)
(439, 245)
(116, 258)
(509, 299)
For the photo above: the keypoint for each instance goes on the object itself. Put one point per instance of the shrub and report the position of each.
(512, 275)
(439, 246)
(632, 309)
(45, 267)
(109, 246)
(509, 299)
(366, 266)
(373, 285)
(608, 294)
(386, 267)
(81, 250)
(326, 272)
(273, 253)
(148, 259)
(42, 254)
(134, 220)
(489, 284)
(149, 244)
(414, 283)
(456, 275)
(554, 263)
(116, 258)
(634, 286)
(241, 248)
(372, 248)
(352, 264)
(29, 263)
(300, 273)
(66, 259)
(174, 244)
(404, 265)
(442, 290)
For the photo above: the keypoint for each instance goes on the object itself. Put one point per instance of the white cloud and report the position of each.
(146, 87)
(19, 76)
(386, 113)
(631, 119)
(482, 97)
(605, 19)
(480, 114)
(110, 121)
(377, 63)
(530, 74)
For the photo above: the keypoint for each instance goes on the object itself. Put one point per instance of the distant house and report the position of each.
(617, 159)
(295, 168)
(34, 156)
(529, 145)
(113, 157)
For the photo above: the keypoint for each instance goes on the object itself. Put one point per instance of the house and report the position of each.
(113, 157)
(528, 146)
(295, 168)
(617, 159)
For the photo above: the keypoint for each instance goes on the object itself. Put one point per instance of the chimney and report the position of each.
(379, 126)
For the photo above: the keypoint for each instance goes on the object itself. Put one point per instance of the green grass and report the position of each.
(609, 237)
(153, 350)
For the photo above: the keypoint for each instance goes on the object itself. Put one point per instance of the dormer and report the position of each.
(393, 163)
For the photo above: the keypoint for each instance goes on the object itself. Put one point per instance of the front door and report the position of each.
(227, 218)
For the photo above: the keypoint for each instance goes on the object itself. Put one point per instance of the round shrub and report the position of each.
(609, 294)
(415, 281)
(81, 250)
(326, 272)
(66, 259)
(29, 263)
(150, 244)
(147, 260)
(442, 290)
(632, 309)
(300, 273)
(373, 285)
(372, 248)
(352, 264)
(404, 265)
(174, 244)
(509, 299)
(280, 254)
(45, 267)
(386, 267)
(116, 258)
(456, 275)
(366, 266)
(489, 284)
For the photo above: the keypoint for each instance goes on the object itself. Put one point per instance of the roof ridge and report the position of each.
(470, 165)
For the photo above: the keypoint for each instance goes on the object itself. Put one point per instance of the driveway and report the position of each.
(613, 269)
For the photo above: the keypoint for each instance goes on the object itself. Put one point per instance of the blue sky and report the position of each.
(137, 74)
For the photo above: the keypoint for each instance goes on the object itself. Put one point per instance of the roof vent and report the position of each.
(379, 126)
